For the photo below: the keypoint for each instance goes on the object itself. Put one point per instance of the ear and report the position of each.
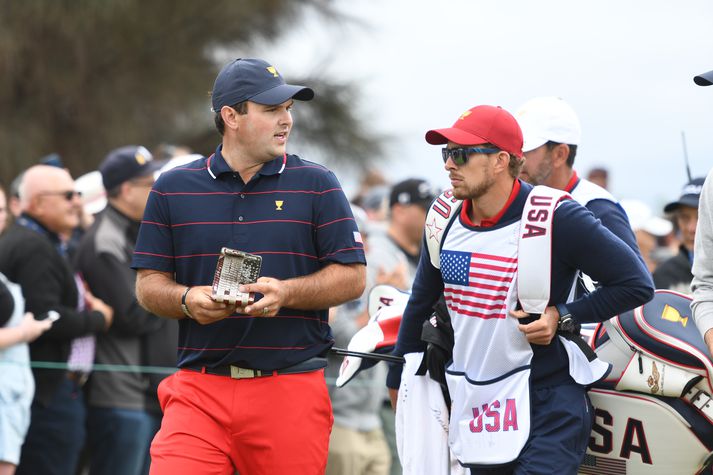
(230, 117)
(502, 162)
(559, 155)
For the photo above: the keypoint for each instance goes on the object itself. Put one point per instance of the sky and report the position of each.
(625, 66)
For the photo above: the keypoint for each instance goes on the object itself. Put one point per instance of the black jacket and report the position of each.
(32, 260)
(675, 273)
(136, 336)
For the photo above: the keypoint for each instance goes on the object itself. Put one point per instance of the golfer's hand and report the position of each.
(274, 296)
(203, 308)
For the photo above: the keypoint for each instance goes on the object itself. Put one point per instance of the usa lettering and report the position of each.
(443, 204)
(539, 214)
(633, 439)
(491, 418)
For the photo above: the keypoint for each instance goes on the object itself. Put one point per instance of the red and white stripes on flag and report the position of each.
(475, 284)
(594, 465)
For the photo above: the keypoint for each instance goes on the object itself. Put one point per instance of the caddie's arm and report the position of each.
(580, 241)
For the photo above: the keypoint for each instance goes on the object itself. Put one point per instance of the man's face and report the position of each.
(410, 219)
(687, 219)
(136, 194)
(263, 130)
(538, 166)
(474, 178)
(3, 210)
(56, 205)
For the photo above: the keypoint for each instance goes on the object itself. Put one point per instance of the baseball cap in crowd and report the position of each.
(545, 119)
(642, 218)
(53, 160)
(125, 163)
(255, 80)
(705, 79)
(413, 191)
(481, 125)
(91, 186)
(690, 195)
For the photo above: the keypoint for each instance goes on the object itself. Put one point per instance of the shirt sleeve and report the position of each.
(614, 218)
(154, 245)
(337, 237)
(580, 241)
(427, 288)
(702, 284)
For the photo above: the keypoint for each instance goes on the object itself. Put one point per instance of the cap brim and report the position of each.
(530, 144)
(705, 79)
(686, 200)
(282, 93)
(443, 136)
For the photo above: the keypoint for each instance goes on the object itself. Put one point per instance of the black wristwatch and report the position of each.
(566, 323)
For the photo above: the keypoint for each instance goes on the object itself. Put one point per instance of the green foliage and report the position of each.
(80, 77)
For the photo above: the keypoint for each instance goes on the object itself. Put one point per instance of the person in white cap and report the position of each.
(552, 133)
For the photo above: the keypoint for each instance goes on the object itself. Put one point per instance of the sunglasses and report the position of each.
(460, 155)
(67, 195)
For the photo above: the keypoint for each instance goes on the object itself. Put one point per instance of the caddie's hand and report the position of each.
(709, 340)
(203, 308)
(274, 295)
(542, 330)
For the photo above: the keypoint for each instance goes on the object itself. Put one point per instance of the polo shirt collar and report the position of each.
(572, 183)
(216, 165)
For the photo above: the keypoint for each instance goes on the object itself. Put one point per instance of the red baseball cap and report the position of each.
(479, 125)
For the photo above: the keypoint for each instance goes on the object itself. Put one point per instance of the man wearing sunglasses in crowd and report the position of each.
(34, 255)
(516, 404)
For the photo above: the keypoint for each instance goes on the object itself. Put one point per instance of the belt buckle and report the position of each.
(237, 372)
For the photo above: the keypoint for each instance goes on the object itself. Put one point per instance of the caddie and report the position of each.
(517, 384)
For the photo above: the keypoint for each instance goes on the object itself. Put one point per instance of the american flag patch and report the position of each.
(357, 237)
(476, 285)
(593, 465)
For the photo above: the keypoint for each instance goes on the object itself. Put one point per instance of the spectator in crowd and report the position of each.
(250, 395)
(393, 258)
(33, 255)
(357, 444)
(123, 406)
(599, 176)
(648, 230)
(675, 273)
(375, 203)
(4, 211)
(17, 387)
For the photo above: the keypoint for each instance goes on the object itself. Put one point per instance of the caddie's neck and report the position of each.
(560, 177)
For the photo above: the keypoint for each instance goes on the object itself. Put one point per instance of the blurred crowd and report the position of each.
(68, 305)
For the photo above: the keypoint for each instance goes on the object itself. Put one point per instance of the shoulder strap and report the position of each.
(534, 266)
(442, 212)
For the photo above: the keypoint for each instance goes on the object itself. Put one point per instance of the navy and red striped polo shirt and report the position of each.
(293, 213)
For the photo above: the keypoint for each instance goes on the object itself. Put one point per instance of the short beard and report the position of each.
(473, 193)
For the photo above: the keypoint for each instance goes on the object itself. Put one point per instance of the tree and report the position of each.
(80, 77)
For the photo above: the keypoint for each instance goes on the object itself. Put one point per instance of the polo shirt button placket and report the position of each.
(242, 195)
(240, 218)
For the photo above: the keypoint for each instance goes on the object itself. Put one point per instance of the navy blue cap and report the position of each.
(125, 163)
(254, 80)
(705, 79)
(413, 191)
(690, 195)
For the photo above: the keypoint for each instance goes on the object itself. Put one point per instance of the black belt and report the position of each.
(236, 372)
